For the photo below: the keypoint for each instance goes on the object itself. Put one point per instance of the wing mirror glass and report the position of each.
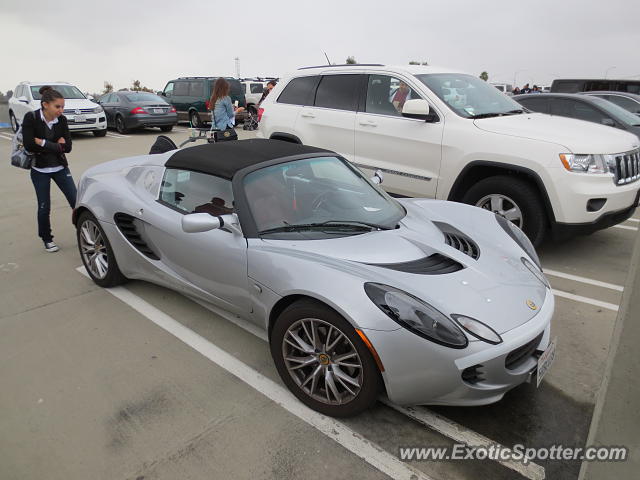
(378, 177)
(419, 109)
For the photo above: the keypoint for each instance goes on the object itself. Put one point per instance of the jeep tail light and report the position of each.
(138, 111)
(260, 112)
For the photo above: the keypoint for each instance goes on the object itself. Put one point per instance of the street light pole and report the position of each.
(606, 72)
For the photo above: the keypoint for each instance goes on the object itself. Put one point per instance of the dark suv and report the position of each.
(190, 96)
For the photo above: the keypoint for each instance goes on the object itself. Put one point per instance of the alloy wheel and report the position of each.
(93, 249)
(503, 206)
(322, 361)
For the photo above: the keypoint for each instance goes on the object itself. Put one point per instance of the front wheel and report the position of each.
(323, 361)
(516, 200)
(96, 252)
(14, 122)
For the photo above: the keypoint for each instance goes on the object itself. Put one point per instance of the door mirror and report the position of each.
(378, 177)
(200, 222)
(23, 99)
(162, 94)
(419, 109)
(608, 122)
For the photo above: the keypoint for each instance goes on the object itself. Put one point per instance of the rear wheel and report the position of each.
(166, 128)
(323, 361)
(516, 200)
(96, 252)
(14, 122)
(194, 118)
(120, 125)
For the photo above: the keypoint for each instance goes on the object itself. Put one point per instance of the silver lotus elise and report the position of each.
(432, 302)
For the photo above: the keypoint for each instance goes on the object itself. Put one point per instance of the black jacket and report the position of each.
(53, 153)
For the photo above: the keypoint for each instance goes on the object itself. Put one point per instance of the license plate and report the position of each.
(545, 361)
(158, 110)
(80, 119)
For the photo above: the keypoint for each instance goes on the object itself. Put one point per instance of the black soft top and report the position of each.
(224, 159)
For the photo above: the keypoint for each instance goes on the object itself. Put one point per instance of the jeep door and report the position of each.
(407, 150)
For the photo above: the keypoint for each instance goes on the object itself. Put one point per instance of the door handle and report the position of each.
(368, 123)
(307, 115)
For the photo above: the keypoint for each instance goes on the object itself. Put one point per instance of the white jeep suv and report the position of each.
(82, 114)
(448, 135)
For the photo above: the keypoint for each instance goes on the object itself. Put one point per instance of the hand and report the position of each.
(38, 141)
(240, 109)
(62, 140)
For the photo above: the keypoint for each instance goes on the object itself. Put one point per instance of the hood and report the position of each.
(576, 136)
(494, 288)
(79, 103)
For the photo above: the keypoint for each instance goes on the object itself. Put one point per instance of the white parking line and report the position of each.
(5, 136)
(625, 227)
(576, 278)
(633, 220)
(337, 431)
(457, 432)
(590, 301)
(117, 135)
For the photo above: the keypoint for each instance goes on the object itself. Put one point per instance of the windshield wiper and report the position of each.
(337, 224)
(497, 114)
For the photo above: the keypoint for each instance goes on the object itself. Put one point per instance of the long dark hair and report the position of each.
(49, 94)
(221, 89)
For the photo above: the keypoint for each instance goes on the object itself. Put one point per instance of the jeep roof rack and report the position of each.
(197, 78)
(345, 65)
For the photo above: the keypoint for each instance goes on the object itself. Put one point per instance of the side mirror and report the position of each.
(23, 99)
(608, 122)
(90, 97)
(378, 177)
(200, 222)
(162, 94)
(419, 109)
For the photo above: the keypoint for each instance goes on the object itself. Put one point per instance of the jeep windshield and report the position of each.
(470, 97)
(67, 91)
(323, 194)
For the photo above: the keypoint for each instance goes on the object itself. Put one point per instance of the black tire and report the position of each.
(166, 128)
(14, 122)
(121, 127)
(371, 380)
(523, 194)
(113, 276)
(194, 118)
(100, 133)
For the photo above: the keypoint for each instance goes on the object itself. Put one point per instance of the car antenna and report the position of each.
(325, 54)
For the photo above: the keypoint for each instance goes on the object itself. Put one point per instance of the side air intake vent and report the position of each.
(127, 227)
(435, 264)
(458, 240)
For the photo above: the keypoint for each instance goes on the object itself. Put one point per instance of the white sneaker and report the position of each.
(51, 247)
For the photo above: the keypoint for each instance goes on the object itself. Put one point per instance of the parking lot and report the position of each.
(142, 383)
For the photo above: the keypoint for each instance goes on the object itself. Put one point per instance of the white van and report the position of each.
(449, 135)
(82, 114)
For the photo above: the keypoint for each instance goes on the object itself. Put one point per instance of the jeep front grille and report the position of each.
(625, 167)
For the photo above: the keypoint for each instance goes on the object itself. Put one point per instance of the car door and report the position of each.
(212, 264)
(329, 122)
(107, 106)
(21, 105)
(407, 150)
(180, 99)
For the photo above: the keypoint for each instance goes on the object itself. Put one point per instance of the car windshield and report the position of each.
(67, 91)
(617, 111)
(324, 193)
(144, 97)
(468, 96)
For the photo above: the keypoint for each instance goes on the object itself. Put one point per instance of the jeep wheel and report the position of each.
(516, 200)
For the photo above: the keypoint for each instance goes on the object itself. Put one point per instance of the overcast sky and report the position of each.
(87, 42)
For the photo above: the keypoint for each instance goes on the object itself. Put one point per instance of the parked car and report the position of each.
(437, 302)
(190, 96)
(504, 87)
(586, 85)
(582, 107)
(628, 101)
(253, 93)
(546, 174)
(82, 114)
(126, 110)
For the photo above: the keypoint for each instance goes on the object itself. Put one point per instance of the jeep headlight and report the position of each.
(590, 163)
(416, 316)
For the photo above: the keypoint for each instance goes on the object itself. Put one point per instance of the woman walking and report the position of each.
(222, 110)
(45, 133)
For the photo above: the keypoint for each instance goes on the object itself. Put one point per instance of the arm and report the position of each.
(229, 107)
(28, 135)
(66, 145)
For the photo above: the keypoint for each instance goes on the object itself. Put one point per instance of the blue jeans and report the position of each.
(42, 183)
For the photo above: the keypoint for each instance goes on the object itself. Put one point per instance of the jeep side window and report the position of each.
(339, 92)
(299, 91)
(181, 89)
(386, 95)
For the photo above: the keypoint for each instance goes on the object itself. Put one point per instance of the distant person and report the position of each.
(536, 89)
(401, 96)
(516, 91)
(45, 133)
(267, 90)
(525, 89)
(223, 112)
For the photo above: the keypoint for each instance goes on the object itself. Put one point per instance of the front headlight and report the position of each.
(584, 163)
(519, 237)
(415, 315)
(98, 109)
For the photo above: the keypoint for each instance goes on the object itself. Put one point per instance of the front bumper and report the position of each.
(92, 122)
(419, 372)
